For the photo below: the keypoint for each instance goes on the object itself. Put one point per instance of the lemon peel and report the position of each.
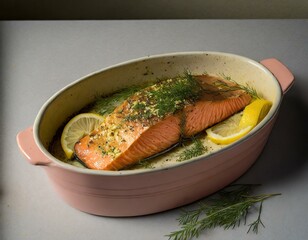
(79, 126)
(255, 112)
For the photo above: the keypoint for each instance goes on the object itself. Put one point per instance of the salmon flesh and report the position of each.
(157, 117)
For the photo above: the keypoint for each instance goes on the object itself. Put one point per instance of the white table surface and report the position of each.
(39, 58)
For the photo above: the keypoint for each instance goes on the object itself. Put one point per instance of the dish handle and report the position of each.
(29, 148)
(281, 72)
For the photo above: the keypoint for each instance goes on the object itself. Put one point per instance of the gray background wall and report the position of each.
(151, 9)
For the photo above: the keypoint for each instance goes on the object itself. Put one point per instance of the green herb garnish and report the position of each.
(228, 209)
(105, 105)
(147, 164)
(195, 150)
(247, 88)
(165, 97)
(172, 95)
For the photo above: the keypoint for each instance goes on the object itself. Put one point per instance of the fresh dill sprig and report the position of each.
(247, 88)
(228, 209)
(254, 226)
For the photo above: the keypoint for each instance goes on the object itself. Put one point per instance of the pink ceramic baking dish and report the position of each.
(140, 192)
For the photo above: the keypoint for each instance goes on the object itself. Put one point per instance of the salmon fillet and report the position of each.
(123, 138)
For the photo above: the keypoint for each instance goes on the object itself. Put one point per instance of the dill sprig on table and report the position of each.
(228, 209)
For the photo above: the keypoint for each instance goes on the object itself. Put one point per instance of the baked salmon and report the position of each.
(157, 117)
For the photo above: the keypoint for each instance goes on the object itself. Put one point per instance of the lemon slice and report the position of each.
(255, 112)
(78, 127)
(227, 131)
(240, 124)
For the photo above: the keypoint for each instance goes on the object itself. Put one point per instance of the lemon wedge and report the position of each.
(78, 127)
(255, 112)
(238, 125)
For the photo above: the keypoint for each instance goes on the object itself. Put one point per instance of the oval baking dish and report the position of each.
(140, 192)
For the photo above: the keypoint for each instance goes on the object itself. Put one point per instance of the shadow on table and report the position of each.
(286, 153)
(2, 101)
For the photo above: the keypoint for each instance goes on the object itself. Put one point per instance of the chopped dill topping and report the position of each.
(195, 150)
(165, 97)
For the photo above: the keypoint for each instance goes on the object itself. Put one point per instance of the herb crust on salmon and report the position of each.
(158, 116)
